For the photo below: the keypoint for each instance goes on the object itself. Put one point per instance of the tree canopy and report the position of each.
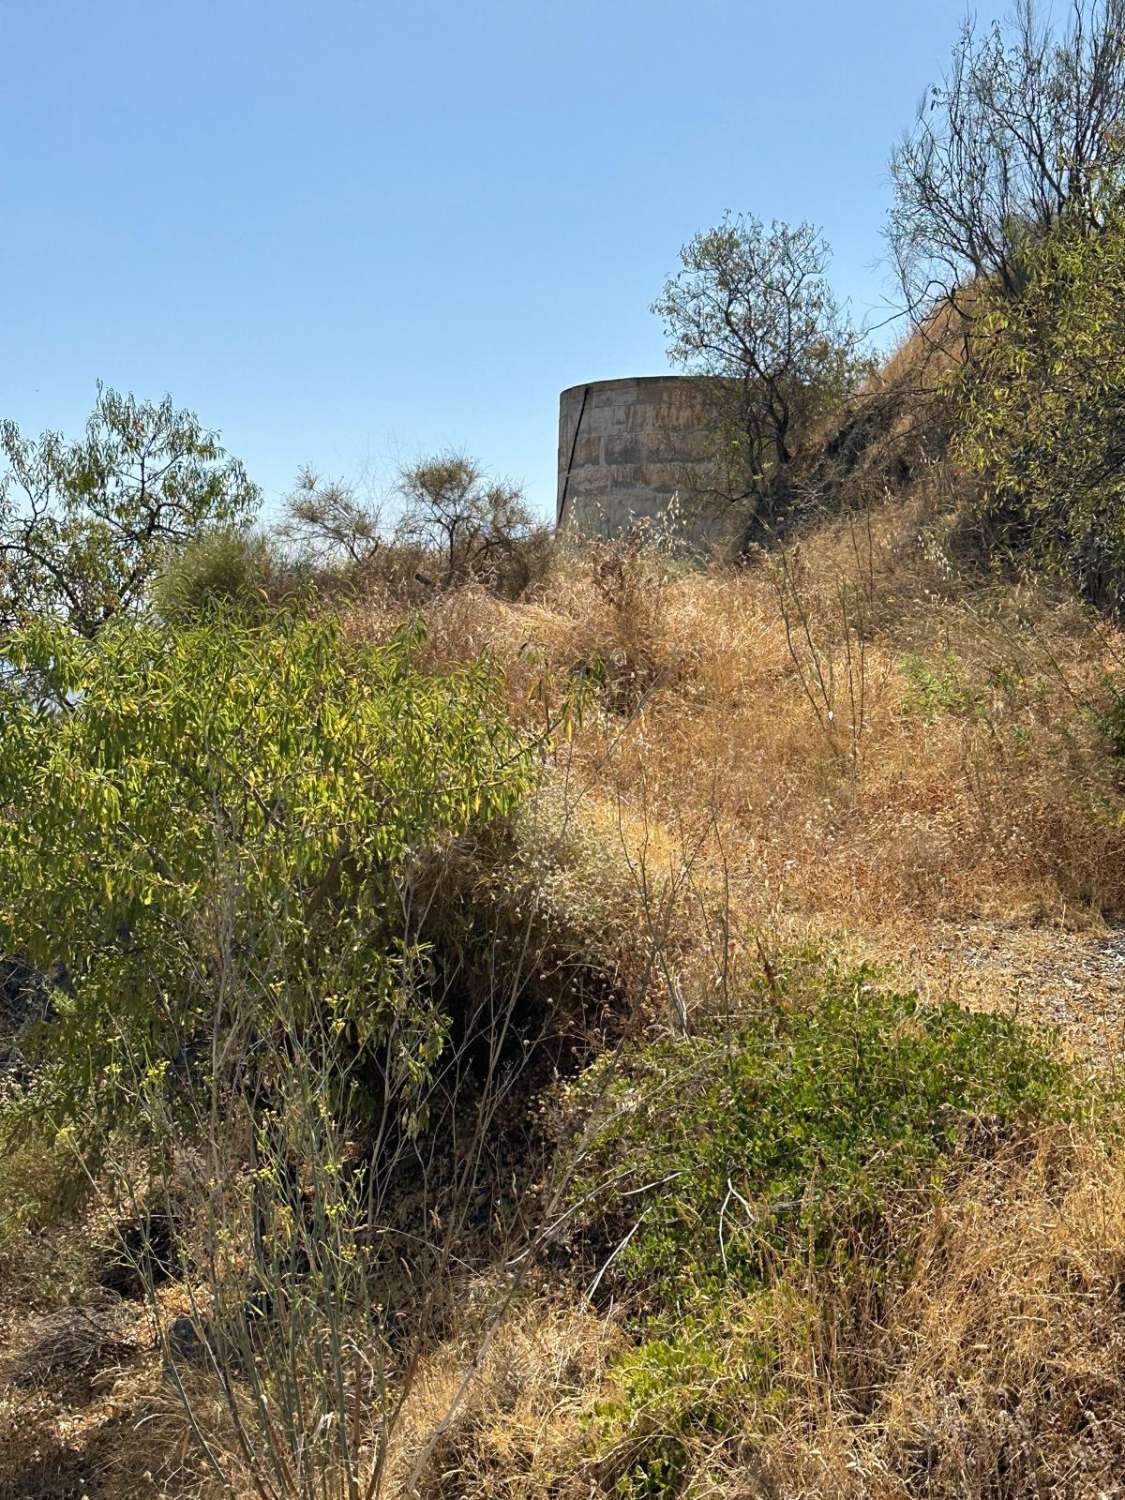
(752, 308)
(1042, 413)
(85, 524)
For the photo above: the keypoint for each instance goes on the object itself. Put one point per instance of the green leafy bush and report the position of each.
(195, 817)
(1040, 412)
(726, 1158)
(937, 689)
(673, 1391)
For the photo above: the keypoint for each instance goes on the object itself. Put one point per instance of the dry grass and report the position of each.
(994, 1369)
(1014, 1363)
(517, 1430)
(869, 735)
(107, 1425)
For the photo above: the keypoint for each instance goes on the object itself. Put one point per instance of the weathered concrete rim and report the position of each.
(630, 380)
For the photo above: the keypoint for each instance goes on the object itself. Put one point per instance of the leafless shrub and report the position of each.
(1024, 130)
(327, 521)
(72, 1343)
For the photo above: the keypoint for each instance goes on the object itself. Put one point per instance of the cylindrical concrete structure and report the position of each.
(627, 448)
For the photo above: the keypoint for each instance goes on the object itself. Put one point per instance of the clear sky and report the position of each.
(350, 232)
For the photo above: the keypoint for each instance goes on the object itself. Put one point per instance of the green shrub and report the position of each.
(196, 818)
(932, 690)
(1040, 413)
(225, 569)
(672, 1392)
(726, 1158)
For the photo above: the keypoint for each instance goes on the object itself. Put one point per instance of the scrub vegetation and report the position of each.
(483, 1015)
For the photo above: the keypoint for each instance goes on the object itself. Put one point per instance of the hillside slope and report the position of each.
(853, 750)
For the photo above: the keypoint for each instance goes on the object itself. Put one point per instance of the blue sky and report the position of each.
(349, 233)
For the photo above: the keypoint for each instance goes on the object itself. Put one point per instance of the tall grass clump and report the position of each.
(240, 571)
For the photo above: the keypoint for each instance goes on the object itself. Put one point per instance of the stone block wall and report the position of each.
(627, 448)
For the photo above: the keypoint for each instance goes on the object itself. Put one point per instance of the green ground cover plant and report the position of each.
(731, 1156)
